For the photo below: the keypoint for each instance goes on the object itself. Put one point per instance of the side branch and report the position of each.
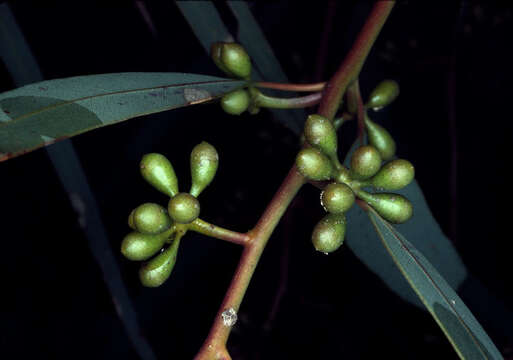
(218, 232)
(352, 64)
(291, 87)
(215, 344)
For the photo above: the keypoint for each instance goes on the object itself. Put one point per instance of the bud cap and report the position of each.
(321, 134)
(313, 164)
(328, 235)
(158, 171)
(383, 94)
(204, 163)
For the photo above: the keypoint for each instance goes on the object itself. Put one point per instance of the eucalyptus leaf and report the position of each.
(425, 234)
(454, 318)
(42, 113)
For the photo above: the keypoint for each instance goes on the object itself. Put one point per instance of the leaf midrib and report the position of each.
(67, 102)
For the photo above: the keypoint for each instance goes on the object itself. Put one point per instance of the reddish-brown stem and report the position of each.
(352, 64)
(215, 344)
(291, 87)
(218, 232)
(214, 347)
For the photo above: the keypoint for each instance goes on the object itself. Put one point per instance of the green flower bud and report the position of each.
(383, 94)
(394, 175)
(236, 60)
(365, 162)
(328, 234)
(183, 208)
(158, 171)
(235, 102)
(380, 138)
(136, 246)
(157, 270)
(321, 134)
(392, 207)
(204, 163)
(215, 54)
(313, 164)
(337, 198)
(149, 218)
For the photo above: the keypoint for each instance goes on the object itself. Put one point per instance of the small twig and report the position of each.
(291, 87)
(352, 64)
(218, 232)
(262, 100)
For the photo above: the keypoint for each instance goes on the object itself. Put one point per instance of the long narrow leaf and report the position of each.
(43, 113)
(457, 322)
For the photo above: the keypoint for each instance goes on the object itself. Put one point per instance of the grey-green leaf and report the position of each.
(422, 230)
(454, 318)
(42, 113)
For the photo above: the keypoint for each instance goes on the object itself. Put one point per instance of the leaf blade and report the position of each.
(454, 318)
(43, 113)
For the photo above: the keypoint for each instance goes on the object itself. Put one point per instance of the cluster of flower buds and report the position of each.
(155, 226)
(318, 161)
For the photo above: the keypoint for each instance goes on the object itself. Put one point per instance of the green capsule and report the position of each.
(204, 163)
(380, 138)
(365, 162)
(383, 94)
(158, 171)
(313, 164)
(154, 272)
(392, 207)
(149, 218)
(136, 246)
(394, 175)
(183, 208)
(337, 198)
(328, 235)
(235, 102)
(320, 133)
(215, 54)
(236, 60)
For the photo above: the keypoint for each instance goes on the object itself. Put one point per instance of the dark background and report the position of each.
(452, 118)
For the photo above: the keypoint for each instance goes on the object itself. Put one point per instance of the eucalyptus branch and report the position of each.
(214, 347)
(352, 64)
(291, 87)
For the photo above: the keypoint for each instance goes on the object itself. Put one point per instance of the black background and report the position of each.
(54, 300)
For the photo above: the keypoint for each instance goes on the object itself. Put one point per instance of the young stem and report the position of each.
(352, 64)
(218, 232)
(216, 340)
(262, 100)
(214, 347)
(291, 87)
